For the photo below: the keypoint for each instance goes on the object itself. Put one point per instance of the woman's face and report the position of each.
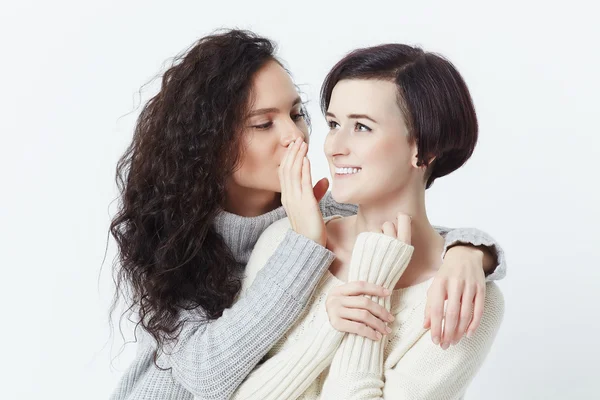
(276, 119)
(368, 149)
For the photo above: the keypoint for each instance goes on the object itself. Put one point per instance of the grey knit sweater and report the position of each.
(212, 358)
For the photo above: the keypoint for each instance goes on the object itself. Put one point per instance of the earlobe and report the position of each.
(415, 158)
(418, 164)
(415, 161)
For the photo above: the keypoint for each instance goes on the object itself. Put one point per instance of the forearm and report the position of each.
(211, 359)
(288, 374)
(356, 371)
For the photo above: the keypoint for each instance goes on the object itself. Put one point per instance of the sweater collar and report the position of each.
(241, 233)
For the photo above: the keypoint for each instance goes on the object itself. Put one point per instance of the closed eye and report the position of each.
(264, 126)
(298, 117)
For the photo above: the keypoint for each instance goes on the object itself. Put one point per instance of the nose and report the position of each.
(290, 133)
(336, 144)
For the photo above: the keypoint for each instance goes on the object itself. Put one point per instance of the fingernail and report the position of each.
(445, 346)
(391, 317)
(388, 329)
(436, 340)
(454, 342)
(387, 292)
(378, 335)
(469, 334)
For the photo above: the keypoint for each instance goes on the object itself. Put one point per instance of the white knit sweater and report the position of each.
(314, 361)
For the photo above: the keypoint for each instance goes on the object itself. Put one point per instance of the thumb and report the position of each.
(320, 189)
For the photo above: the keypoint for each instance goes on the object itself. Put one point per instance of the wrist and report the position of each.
(462, 251)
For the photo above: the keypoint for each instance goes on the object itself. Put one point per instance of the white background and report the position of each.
(70, 74)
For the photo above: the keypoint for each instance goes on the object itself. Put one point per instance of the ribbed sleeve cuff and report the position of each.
(477, 237)
(379, 259)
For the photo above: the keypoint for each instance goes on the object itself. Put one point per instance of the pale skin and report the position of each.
(274, 170)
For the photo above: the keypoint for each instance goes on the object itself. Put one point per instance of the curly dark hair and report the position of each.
(172, 181)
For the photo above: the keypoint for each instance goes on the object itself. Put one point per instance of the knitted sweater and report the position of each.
(314, 361)
(212, 357)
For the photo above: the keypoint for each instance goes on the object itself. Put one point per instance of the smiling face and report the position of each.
(276, 118)
(368, 148)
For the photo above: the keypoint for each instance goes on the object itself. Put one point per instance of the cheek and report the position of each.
(258, 163)
(390, 159)
(303, 126)
(256, 156)
(248, 162)
(327, 145)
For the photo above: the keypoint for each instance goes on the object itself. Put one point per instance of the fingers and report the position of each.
(291, 169)
(400, 229)
(361, 302)
(281, 174)
(477, 311)
(455, 291)
(360, 288)
(360, 329)
(437, 296)
(295, 172)
(363, 317)
(466, 313)
(306, 178)
(427, 321)
(389, 229)
(404, 228)
(320, 188)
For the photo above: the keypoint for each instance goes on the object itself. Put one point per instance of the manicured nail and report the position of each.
(388, 329)
(454, 342)
(436, 340)
(378, 335)
(470, 334)
(445, 346)
(391, 317)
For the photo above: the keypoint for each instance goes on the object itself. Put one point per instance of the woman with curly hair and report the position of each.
(199, 183)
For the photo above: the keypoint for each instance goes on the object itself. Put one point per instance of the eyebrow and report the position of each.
(354, 116)
(262, 111)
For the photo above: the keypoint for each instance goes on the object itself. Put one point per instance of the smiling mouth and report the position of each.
(347, 171)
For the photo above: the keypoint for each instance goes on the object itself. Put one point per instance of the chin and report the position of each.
(344, 197)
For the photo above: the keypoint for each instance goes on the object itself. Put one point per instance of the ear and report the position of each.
(415, 159)
(415, 156)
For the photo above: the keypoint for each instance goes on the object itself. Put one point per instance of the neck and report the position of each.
(248, 202)
(427, 243)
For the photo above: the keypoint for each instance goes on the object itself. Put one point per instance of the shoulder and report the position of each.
(274, 232)
(331, 207)
(271, 238)
(265, 247)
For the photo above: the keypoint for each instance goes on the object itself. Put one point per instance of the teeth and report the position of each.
(346, 171)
